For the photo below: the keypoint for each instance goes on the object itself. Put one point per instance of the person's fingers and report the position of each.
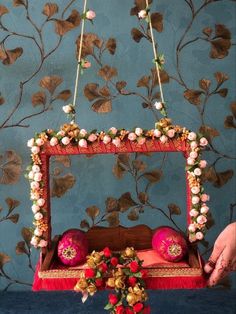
(222, 268)
(217, 250)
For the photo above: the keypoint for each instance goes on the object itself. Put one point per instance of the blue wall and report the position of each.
(94, 179)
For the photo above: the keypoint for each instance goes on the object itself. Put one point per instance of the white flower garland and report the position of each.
(71, 134)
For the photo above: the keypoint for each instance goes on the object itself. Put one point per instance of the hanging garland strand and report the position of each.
(79, 61)
(156, 58)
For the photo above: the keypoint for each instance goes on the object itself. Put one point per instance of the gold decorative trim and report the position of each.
(153, 272)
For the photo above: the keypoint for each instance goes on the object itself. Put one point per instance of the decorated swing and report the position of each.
(125, 259)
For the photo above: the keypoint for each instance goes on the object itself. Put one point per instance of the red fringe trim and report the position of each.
(175, 282)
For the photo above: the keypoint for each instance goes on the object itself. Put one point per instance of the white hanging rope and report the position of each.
(155, 54)
(79, 55)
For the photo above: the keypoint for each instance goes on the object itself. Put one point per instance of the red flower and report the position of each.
(114, 261)
(138, 307)
(134, 267)
(107, 252)
(120, 309)
(132, 281)
(98, 282)
(112, 299)
(103, 267)
(89, 273)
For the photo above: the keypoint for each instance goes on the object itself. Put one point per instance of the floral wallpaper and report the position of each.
(39, 43)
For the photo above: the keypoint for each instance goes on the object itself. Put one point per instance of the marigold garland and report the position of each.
(120, 271)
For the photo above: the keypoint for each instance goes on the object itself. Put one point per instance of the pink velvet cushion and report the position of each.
(169, 244)
(73, 247)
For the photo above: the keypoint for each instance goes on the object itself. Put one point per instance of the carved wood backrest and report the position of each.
(118, 238)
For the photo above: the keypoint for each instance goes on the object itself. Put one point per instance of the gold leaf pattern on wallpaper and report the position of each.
(50, 9)
(90, 41)
(8, 57)
(2, 100)
(39, 98)
(10, 167)
(17, 3)
(174, 209)
(64, 26)
(4, 258)
(61, 185)
(111, 45)
(50, 83)
(3, 10)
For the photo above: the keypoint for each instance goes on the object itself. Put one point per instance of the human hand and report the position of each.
(223, 257)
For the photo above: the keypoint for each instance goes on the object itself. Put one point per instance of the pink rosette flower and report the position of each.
(31, 175)
(39, 142)
(86, 64)
(141, 140)
(35, 150)
(193, 145)
(201, 219)
(82, 132)
(195, 189)
(193, 155)
(38, 232)
(41, 202)
(142, 14)
(38, 176)
(35, 168)
(203, 141)
(202, 164)
(68, 109)
(61, 133)
(193, 212)
(116, 141)
(205, 197)
(163, 139)
(113, 130)
(158, 105)
(38, 216)
(171, 133)
(195, 200)
(92, 137)
(53, 141)
(138, 131)
(199, 235)
(90, 15)
(192, 228)
(65, 140)
(132, 136)
(157, 133)
(34, 241)
(35, 208)
(34, 196)
(197, 171)
(30, 143)
(34, 185)
(106, 139)
(43, 243)
(190, 161)
(204, 209)
(83, 143)
(192, 136)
